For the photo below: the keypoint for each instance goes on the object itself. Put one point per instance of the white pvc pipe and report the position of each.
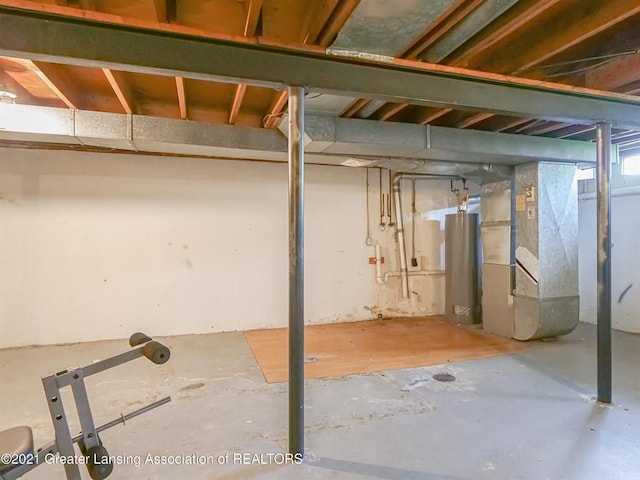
(400, 234)
(383, 278)
(399, 220)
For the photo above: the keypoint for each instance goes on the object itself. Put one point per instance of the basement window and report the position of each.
(586, 174)
(631, 165)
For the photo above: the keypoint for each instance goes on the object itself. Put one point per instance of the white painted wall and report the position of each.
(625, 270)
(97, 246)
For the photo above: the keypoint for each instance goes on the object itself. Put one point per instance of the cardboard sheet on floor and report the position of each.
(338, 349)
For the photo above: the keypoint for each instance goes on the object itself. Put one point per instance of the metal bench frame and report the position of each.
(88, 437)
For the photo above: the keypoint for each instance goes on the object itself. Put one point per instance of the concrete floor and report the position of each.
(528, 416)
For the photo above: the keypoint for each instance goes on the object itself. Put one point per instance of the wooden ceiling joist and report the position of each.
(615, 74)
(335, 22)
(337, 19)
(474, 119)
(387, 111)
(121, 89)
(57, 82)
(431, 116)
(254, 10)
(182, 97)
(483, 42)
(581, 24)
(238, 96)
(457, 12)
(598, 17)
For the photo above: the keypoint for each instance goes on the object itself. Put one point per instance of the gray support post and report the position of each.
(603, 174)
(296, 270)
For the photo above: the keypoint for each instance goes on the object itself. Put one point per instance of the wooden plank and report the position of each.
(182, 97)
(121, 89)
(25, 74)
(238, 96)
(615, 74)
(324, 38)
(431, 116)
(57, 82)
(339, 349)
(474, 119)
(336, 21)
(274, 112)
(559, 34)
(387, 111)
(164, 10)
(457, 12)
(484, 42)
(254, 8)
(316, 20)
(354, 107)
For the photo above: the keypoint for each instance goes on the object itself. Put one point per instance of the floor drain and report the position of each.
(444, 377)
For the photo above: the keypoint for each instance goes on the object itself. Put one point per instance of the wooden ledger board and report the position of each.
(338, 349)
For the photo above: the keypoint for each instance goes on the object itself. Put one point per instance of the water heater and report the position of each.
(462, 269)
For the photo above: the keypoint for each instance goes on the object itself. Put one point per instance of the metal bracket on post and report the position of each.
(603, 178)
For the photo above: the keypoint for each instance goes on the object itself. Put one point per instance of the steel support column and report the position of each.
(296, 270)
(603, 175)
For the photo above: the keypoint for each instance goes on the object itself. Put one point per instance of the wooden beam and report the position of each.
(338, 17)
(57, 82)
(573, 31)
(442, 25)
(522, 18)
(483, 43)
(160, 7)
(473, 119)
(387, 111)
(629, 140)
(274, 113)
(131, 49)
(83, 4)
(23, 95)
(431, 116)
(182, 98)
(615, 74)
(172, 11)
(574, 27)
(254, 9)
(121, 89)
(336, 21)
(238, 95)
(354, 107)
(546, 127)
(316, 19)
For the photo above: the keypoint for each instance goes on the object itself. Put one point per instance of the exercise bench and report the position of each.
(17, 455)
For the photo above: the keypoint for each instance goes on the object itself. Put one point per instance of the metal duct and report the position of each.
(479, 156)
(546, 254)
(347, 136)
(386, 27)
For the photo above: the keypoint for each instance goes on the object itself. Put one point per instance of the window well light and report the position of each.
(631, 165)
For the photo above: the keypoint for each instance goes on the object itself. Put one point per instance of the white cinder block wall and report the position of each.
(625, 256)
(97, 246)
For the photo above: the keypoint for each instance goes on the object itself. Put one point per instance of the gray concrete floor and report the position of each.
(527, 416)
